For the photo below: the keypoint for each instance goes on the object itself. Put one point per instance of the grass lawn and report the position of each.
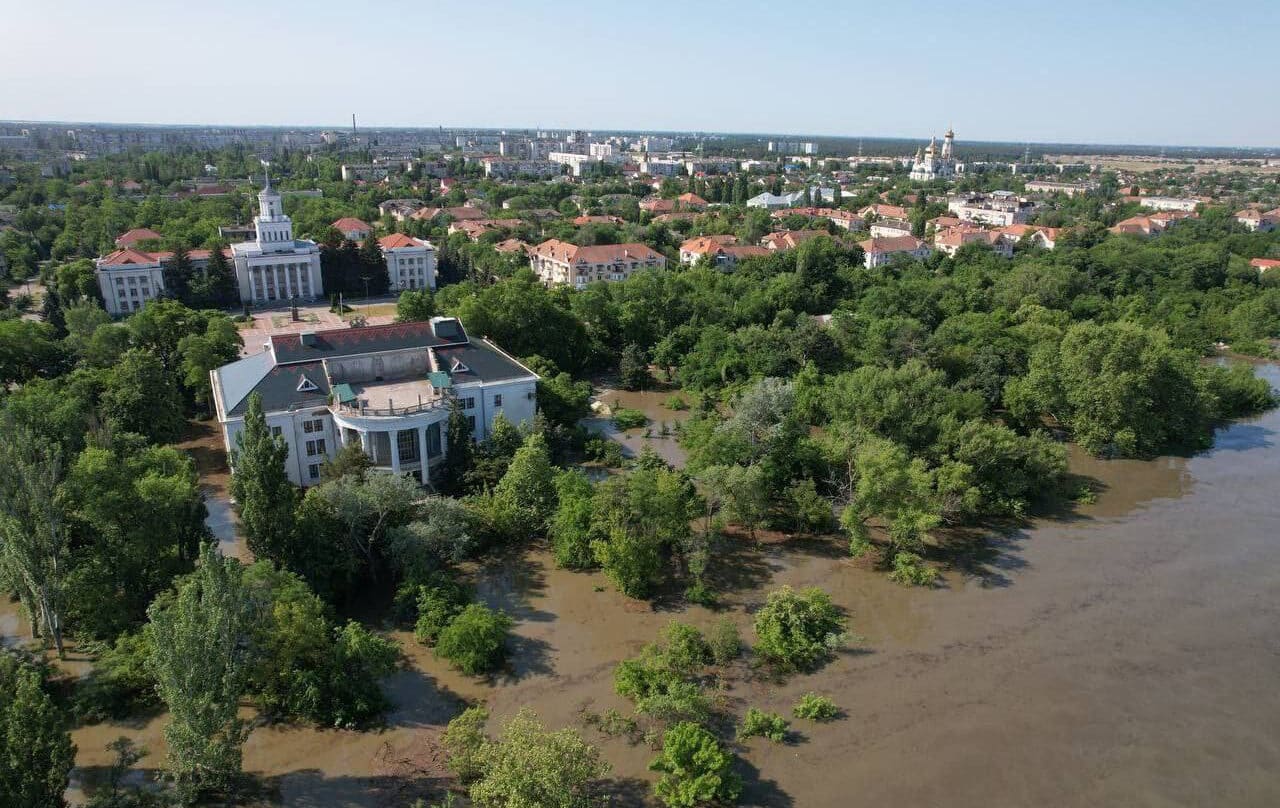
(375, 310)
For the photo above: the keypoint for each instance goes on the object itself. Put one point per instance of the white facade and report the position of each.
(931, 164)
(384, 399)
(276, 268)
(1169, 203)
(411, 262)
(126, 287)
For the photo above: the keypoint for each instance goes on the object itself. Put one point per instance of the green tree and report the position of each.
(460, 449)
(36, 753)
(634, 368)
(202, 353)
(529, 483)
(475, 640)
(34, 539)
(177, 274)
(570, 527)
(796, 630)
(696, 770)
(528, 766)
(140, 396)
(464, 740)
(199, 643)
(414, 305)
(261, 487)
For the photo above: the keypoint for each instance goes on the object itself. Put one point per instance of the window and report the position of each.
(276, 431)
(313, 471)
(469, 403)
(313, 425)
(407, 445)
(471, 423)
(497, 400)
(315, 447)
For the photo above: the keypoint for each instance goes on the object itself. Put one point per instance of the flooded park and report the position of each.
(1122, 653)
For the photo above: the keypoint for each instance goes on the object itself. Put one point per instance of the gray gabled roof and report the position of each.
(237, 380)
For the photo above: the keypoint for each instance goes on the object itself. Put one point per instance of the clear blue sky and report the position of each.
(1123, 71)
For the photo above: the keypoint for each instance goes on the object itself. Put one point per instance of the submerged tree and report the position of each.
(34, 541)
(198, 657)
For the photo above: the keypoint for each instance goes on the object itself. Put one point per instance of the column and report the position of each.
(288, 282)
(395, 451)
(279, 282)
(253, 284)
(364, 444)
(422, 450)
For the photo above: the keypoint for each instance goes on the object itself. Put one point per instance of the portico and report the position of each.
(276, 267)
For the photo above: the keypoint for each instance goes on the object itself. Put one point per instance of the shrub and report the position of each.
(475, 640)
(810, 511)
(438, 604)
(909, 569)
(698, 592)
(629, 419)
(606, 452)
(686, 649)
(815, 708)
(120, 685)
(1237, 391)
(758, 723)
(676, 402)
(358, 662)
(528, 766)
(724, 640)
(798, 629)
(463, 739)
(695, 769)
(657, 688)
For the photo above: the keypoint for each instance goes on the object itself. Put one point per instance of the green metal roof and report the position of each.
(439, 379)
(344, 393)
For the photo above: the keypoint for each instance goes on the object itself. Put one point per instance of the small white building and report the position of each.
(880, 251)
(353, 229)
(1185, 204)
(411, 262)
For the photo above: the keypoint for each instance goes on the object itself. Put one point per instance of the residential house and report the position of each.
(890, 228)
(950, 240)
(353, 229)
(1259, 221)
(559, 263)
(789, 239)
(880, 251)
(131, 238)
(400, 209)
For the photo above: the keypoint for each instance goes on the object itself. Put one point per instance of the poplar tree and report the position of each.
(36, 753)
(34, 545)
(198, 657)
(261, 487)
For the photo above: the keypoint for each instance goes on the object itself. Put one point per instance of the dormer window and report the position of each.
(307, 386)
(457, 366)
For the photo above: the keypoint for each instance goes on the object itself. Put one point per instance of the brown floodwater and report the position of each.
(653, 404)
(1123, 654)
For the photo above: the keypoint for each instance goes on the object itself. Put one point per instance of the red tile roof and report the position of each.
(132, 237)
(398, 240)
(348, 223)
(565, 252)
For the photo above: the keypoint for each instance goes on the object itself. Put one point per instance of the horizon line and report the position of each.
(629, 130)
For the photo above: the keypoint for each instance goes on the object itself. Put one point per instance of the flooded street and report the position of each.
(1124, 654)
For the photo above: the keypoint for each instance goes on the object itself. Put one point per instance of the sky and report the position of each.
(1175, 72)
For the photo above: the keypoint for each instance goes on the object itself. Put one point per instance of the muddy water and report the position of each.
(1122, 655)
(653, 405)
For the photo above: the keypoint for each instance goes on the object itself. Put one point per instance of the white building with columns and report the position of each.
(387, 388)
(275, 267)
